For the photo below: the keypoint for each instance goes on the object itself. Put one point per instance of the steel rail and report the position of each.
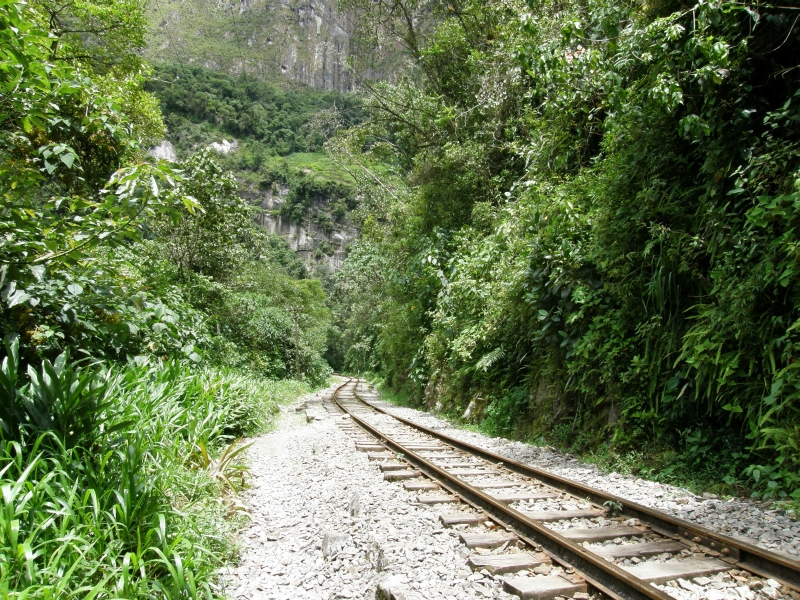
(739, 554)
(610, 576)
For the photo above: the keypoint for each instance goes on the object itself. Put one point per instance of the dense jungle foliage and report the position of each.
(148, 324)
(198, 102)
(278, 130)
(580, 221)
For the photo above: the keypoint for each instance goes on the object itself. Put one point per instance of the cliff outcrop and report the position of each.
(307, 41)
(308, 240)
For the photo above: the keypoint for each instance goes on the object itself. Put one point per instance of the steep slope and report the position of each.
(307, 41)
(263, 132)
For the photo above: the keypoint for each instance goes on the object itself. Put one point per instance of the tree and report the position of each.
(105, 35)
(209, 238)
(70, 184)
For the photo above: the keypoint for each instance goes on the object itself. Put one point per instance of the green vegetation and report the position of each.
(311, 179)
(585, 224)
(148, 323)
(109, 490)
(200, 106)
(280, 129)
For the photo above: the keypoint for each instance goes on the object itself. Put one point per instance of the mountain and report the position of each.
(262, 132)
(308, 41)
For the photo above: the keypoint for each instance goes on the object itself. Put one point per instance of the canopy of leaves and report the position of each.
(105, 35)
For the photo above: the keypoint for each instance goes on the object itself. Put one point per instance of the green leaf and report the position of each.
(68, 159)
(18, 297)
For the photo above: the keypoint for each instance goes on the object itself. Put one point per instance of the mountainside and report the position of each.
(302, 40)
(263, 132)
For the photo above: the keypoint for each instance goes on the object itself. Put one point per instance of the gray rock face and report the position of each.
(304, 238)
(307, 41)
(164, 151)
(224, 147)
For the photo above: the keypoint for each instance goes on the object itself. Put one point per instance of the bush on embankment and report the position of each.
(593, 238)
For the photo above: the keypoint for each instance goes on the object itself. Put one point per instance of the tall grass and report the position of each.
(101, 493)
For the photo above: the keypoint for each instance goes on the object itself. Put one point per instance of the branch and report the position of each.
(93, 237)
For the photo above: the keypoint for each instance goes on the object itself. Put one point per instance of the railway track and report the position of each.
(519, 519)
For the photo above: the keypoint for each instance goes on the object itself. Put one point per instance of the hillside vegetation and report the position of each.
(148, 324)
(280, 130)
(585, 231)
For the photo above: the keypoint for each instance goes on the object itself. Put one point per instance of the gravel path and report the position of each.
(743, 519)
(326, 525)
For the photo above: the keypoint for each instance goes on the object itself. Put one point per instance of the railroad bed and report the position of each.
(547, 537)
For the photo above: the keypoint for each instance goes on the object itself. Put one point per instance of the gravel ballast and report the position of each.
(324, 524)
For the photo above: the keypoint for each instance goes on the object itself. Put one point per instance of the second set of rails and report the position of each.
(498, 502)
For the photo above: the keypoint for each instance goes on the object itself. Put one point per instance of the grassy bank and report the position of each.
(128, 492)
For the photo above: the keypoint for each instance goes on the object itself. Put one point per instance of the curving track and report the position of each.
(523, 515)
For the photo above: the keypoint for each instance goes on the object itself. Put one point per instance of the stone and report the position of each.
(745, 593)
(355, 505)
(770, 592)
(224, 147)
(333, 542)
(689, 587)
(164, 151)
(389, 588)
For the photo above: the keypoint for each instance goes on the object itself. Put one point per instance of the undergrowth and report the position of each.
(118, 482)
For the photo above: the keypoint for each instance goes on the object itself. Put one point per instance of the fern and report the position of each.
(487, 361)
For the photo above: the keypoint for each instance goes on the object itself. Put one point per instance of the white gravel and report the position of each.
(743, 519)
(325, 525)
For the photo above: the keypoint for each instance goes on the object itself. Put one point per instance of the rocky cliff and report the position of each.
(311, 243)
(303, 40)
